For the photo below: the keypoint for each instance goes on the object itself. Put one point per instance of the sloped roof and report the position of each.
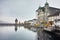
(32, 20)
(40, 8)
(46, 3)
(57, 20)
(52, 10)
(55, 14)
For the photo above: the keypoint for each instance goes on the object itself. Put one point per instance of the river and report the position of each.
(23, 33)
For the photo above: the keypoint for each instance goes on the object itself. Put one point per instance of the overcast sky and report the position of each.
(22, 9)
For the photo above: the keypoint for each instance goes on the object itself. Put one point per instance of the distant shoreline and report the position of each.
(10, 24)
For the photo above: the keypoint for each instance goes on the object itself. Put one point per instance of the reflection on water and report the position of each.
(24, 33)
(16, 28)
(8, 33)
(44, 35)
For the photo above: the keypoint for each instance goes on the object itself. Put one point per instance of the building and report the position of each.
(16, 21)
(54, 16)
(32, 22)
(44, 12)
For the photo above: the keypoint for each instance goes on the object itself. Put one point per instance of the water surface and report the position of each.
(16, 33)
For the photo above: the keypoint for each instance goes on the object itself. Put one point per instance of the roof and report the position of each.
(32, 20)
(46, 3)
(55, 14)
(40, 8)
(52, 10)
(57, 20)
(16, 20)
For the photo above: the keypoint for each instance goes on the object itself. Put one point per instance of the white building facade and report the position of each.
(44, 12)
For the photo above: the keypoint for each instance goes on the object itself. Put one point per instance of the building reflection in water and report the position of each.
(16, 28)
(41, 35)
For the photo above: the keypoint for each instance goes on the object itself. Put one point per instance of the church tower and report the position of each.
(46, 11)
(40, 15)
(16, 21)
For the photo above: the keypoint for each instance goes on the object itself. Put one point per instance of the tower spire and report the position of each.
(46, 3)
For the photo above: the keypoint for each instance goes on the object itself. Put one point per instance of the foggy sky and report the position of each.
(22, 9)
